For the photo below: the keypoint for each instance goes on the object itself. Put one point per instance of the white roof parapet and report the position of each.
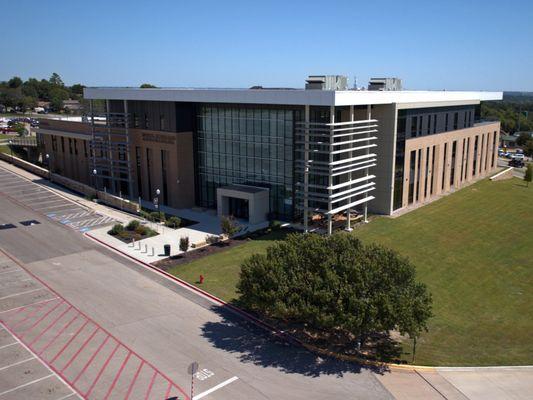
(287, 96)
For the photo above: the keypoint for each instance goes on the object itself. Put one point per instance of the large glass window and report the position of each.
(249, 146)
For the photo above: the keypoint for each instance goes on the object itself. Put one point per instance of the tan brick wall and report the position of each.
(439, 170)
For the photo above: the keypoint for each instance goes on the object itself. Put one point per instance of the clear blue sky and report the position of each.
(431, 44)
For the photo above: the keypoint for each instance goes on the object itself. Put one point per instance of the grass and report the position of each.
(221, 270)
(474, 250)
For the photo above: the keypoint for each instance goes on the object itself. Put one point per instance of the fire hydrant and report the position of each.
(201, 279)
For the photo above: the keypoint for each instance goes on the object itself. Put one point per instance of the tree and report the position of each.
(528, 176)
(57, 96)
(228, 226)
(528, 148)
(14, 82)
(336, 283)
(184, 244)
(147, 86)
(56, 80)
(523, 138)
(77, 88)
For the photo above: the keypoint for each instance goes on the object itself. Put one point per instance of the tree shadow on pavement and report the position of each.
(255, 345)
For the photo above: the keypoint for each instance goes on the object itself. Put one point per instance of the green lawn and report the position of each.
(474, 249)
(221, 270)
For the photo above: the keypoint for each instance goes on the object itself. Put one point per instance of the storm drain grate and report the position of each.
(6, 226)
(30, 222)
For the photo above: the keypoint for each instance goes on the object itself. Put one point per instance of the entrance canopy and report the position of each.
(243, 201)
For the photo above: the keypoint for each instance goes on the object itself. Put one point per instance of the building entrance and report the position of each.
(239, 208)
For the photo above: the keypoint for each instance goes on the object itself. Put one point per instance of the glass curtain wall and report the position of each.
(249, 146)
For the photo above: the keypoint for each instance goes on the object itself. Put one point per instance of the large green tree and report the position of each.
(336, 283)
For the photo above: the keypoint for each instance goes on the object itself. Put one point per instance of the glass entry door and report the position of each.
(238, 208)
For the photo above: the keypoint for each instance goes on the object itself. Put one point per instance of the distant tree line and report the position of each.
(515, 112)
(23, 95)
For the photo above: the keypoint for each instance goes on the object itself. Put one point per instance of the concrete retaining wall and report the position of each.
(73, 185)
(505, 174)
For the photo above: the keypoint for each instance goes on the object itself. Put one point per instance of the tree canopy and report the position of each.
(336, 282)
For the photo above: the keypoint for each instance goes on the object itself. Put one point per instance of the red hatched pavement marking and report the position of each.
(28, 316)
(133, 380)
(91, 359)
(58, 334)
(152, 381)
(55, 321)
(168, 390)
(28, 330)
(21, 308)
(117, 375)
(80, 349)
(89, 391)
(42, 305)
(69, 342)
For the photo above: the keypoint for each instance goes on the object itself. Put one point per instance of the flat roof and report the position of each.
(288, 96)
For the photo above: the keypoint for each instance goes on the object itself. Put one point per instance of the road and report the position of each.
(170, 326)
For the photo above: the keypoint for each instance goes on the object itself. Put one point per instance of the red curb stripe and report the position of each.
(152, 381)
(49, 326)
(26, 331)
(91, 359)
(80, 349)
(117, 376)
(102, 370)
(58, 334)
(134, 379)
(69, 342)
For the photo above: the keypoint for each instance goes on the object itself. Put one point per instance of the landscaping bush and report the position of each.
(212, 239)
(184, 244)
(133, 225)
(141, 230)
(146, 215)
(157, 216)
(116, 230)
(229, 226)
(173, 222)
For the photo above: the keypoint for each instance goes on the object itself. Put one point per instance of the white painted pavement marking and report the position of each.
(67, 396)
(9, 272)
(8, 345)
(220, 385)
(21, 293)
(26, 384)
(29, 305)
(40, 359)
(17, 363)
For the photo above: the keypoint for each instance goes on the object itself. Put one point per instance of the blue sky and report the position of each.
(469, 44)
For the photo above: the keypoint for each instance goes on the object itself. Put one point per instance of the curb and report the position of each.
(260, 323)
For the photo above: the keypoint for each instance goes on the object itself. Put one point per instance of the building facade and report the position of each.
(317, 156)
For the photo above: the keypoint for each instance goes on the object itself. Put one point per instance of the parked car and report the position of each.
(518, 156)
(516, 162)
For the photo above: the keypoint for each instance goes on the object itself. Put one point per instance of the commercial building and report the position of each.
(310, 155)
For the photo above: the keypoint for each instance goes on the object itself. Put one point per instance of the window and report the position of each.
(452, 167)
(62, 144)
(455, 120)
(494, 149)
(146, 122)
(446, 122)
(135, 120)
(427, 173)
(54, 143)
(85, 148)
(138, 167)
(70, 145)
(432, 169)
(429, 125)
(444, 166)
(149, 172)
(412, 163)
(463, 160)
(164, 175)
(467, 159)
(414, 126)
(474, 162)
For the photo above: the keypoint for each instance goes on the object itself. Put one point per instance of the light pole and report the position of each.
(11, 150)
(95, 179)
(47, 156)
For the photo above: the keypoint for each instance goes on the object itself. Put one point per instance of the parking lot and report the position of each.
(51, 350)
(47, 202)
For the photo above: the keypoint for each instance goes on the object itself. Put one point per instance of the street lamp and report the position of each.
(47, 156)
(11, 150)
(95, 179)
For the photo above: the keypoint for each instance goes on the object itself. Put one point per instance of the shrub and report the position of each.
(228, 226)
(116, 230)
(157, 216)
(184, 244)
(173, 222)
(212, 239)
(133, 225)
(146, 215)
(141, 230)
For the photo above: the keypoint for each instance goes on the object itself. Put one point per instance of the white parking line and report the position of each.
(9, 272)
(17, 363)
(26, 384)
(8, 345)
(41, 361)
(67, 396)
(29, 305)
(220, 385)
(21, 293)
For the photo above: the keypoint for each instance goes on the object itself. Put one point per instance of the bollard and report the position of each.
(152, 252)
(146, 248)
(133, 243)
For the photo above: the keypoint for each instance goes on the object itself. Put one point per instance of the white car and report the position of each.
(518, 156)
